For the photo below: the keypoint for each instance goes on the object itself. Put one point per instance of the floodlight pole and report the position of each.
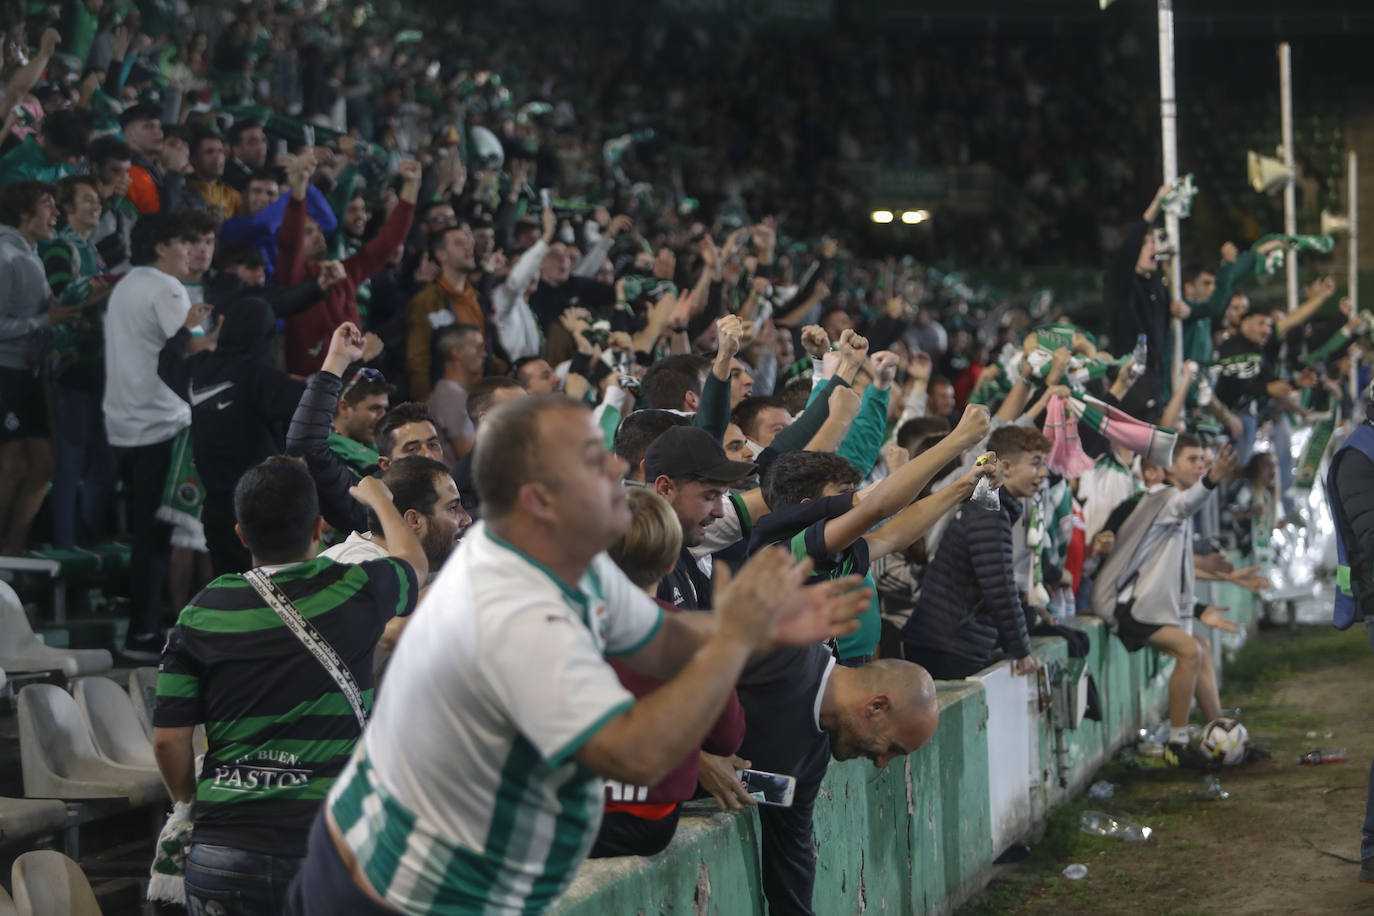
(1168, 122)
(1353, 281)
(1290, 188)
(1352, 161)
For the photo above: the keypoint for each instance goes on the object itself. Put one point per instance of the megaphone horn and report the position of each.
(1334, 222)
(1266, 173)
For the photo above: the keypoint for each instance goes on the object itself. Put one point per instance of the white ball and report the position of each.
(1224, 740)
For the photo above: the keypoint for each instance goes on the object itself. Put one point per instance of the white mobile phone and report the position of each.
(769, 788)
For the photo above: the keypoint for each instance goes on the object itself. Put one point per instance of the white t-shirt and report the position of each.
(464, 787)
(146, 308)
(354, 549)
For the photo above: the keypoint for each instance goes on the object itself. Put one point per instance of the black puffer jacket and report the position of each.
(969, 602)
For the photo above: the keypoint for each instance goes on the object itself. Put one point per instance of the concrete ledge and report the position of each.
(920, 835)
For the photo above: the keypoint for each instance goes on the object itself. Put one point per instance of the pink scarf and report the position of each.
(1066, 457)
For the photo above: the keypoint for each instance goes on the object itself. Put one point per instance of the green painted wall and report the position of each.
(914, 837)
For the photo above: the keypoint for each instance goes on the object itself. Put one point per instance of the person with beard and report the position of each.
(687, 467)
(265, 209)
(423, 491)
(449, 300)
(425, 495)
(240, 405)
(406, 430)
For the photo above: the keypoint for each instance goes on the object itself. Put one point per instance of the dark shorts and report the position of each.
(23, 406)
(1132, 632)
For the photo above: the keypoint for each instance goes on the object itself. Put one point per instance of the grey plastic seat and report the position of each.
(60, 759)
(7, 907)
(113, 723)
(25, 817)
(21, 650)
(143, 693)
(47, 883)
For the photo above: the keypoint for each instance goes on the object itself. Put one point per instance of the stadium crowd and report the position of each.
(436, 416)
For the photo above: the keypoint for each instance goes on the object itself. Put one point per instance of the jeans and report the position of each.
(223, 881)
(83, 483)
(1245, 445)
(144, 471)
(1367, 840)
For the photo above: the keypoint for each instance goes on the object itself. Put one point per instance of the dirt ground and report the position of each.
(1260, 851)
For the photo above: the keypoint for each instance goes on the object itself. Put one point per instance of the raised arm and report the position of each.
(401, 542)
(308, 435)
(902, 530)
(896, 491)
(1318, 292)
(704, 655)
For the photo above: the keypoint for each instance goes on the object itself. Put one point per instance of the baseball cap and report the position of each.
(143, 111)
(687, 451)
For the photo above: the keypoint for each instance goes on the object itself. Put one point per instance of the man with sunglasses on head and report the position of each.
(353, 434)
(325, 414)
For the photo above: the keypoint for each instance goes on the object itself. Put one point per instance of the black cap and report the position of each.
(687, 451)
(143, 111)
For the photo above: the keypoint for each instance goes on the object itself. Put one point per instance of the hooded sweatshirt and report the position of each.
(240, 402)
(24, 306)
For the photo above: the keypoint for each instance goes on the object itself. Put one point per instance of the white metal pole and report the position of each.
(1352, 190)
(1290, 189)
(1352, 195)
(1168, 124)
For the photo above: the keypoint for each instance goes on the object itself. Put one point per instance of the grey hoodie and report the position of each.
(24, 295)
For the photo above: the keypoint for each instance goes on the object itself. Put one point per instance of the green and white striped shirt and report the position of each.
(463, 796)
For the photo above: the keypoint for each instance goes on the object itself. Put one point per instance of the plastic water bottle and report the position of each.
(1099, 823)
(1139, 355)
(983, 493)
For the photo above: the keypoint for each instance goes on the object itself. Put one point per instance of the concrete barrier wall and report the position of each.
(920, 835)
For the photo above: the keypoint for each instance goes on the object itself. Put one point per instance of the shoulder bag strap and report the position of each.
(311, 638)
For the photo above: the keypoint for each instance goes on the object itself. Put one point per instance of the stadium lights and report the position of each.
(912, 217)
(881, 216)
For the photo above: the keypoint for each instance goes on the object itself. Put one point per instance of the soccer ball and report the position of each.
(1224, 741)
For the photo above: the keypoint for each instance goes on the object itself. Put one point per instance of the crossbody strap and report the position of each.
(311, 638)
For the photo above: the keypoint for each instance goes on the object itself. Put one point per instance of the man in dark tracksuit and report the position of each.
(240, 405)
(801, 709)
(1136, 302)
(1350, 493)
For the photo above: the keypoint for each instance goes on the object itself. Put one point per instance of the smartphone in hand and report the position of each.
(769, 788)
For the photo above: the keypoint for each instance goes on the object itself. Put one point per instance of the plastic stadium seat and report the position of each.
(21, 650)
(25, 817)
(59, 757)
(113, 723)
(7, 907)
(47, 883)
(143, 693)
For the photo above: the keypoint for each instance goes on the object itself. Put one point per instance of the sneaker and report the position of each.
(1367, 871)
(1177, 754)
(145, 647)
